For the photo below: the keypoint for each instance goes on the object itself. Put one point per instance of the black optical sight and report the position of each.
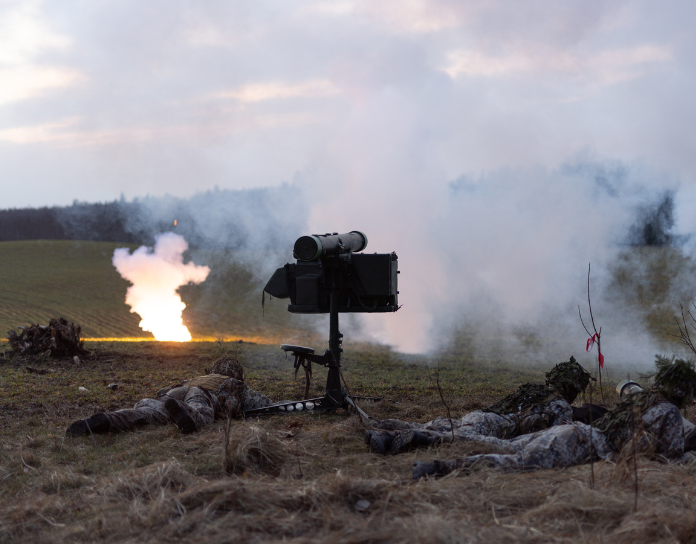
(330, 263)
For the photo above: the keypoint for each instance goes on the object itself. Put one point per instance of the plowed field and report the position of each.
(40, 279)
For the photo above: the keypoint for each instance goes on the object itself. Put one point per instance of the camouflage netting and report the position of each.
(569, 379)
(526, 395)
(676, 379)
(617, 425)
(228, 366)
(58, 339)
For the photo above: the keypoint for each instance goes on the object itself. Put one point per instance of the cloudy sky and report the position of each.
(101, 98)
(467, 135)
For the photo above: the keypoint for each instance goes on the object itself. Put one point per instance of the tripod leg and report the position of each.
(333, 380)
(307, 366)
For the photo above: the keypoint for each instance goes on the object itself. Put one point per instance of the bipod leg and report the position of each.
(350, 403)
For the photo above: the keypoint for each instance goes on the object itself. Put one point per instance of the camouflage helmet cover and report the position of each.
(228, 366)
(569, 379)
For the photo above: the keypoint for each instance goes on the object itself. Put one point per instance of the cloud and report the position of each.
(258, 92)
(49, 132)
(413, 16)
(25, 36)
(73, 133)
(29, 81)
(604, 67)
(25, 33)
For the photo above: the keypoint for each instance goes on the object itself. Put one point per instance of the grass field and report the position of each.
(42, 279)
(155, 485)
(76, 280)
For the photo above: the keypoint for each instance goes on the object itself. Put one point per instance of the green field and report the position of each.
(44, 279)
(76, 280)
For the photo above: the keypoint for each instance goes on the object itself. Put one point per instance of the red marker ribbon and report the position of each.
(591, 341)
(590, 344)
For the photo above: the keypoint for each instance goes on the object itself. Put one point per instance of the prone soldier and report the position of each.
(190, 405)
(531, 408)
(649, 420)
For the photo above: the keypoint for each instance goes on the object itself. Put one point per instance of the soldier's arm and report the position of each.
(558, 412)
(665, 423)
(689, 435)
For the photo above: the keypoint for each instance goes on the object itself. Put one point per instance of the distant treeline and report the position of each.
(221, 219)
(103, 222)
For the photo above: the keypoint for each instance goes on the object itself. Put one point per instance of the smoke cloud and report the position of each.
(496, 264)
(156, 275)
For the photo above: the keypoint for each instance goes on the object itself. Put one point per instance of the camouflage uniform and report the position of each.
(656, 423)
(649, 416)
(531, 408)
(557, 447)
(201, 399)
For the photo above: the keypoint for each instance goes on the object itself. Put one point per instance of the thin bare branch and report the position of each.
(442, 397)
(589, 303)
(684, 335)
(597, 334)
(592, 450)
(635, 464)
(583, 323)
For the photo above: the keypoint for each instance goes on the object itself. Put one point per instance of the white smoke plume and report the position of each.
(501, 259)
(156, 275)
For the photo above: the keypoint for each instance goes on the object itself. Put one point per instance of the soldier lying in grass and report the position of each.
(651, 418)
(531, 408)
(190, 405)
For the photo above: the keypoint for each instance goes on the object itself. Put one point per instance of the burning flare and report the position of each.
(155, 276)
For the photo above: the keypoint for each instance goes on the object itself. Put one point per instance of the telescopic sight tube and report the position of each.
(310, 248)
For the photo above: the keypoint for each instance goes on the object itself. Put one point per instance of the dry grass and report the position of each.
(299, 478)
(164, 502)
(252, 449)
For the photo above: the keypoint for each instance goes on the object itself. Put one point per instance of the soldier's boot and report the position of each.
(425, 469)
(407, 440)
(98, 423)
(180, 415)
(379, 441)
(438, 469)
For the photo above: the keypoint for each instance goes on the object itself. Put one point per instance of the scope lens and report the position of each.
(308, 248)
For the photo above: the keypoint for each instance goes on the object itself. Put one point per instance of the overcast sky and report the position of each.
(99, 98)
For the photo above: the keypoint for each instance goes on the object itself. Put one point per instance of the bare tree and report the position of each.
(442, 398)
(684, 336)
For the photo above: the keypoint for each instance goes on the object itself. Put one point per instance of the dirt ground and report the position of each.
(317, 482)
